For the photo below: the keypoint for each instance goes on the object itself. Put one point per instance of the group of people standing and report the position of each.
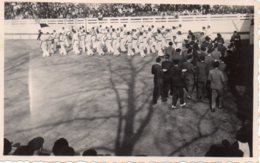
(199, 66)
(143, 40)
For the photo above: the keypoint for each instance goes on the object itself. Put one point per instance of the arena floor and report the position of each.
(86, 98)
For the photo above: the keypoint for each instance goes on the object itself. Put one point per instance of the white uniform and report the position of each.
(134, 43)
(55, 41)
(122, 41)
(159, 45)
(50, 44)
(115, 43)
(44, 46)
(178, 41)
(75, 43)
(129, 45)
(169, 38)
(150, 41)
(141, 45)
(62, 45)
(109, 43)
(88, 45)
(99, 44)
(82, 41)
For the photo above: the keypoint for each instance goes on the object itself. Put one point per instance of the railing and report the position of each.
(152, 19)
(28, 28)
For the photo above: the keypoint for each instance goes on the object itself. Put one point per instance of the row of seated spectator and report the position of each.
(35, 147)
(30, 10)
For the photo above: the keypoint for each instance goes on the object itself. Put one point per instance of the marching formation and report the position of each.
(142, 41)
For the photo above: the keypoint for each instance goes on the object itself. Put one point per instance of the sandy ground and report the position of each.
(104, 103)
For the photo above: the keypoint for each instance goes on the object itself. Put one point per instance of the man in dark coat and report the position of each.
(169, 51)
(158, 80)
(177, 82)
(202, 76)
(166, 65)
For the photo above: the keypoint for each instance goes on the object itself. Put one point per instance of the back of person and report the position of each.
(157, 72)
(216, 78)
(216, 54)
(202, 71)
(176, 76)
(166, 65)
(189, 74)
(170, 51)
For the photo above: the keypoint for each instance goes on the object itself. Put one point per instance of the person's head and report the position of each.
(175, 62)
(242, 135)
(189, 51)
(203, 49)
(7, 146)
(141, 33)
(128, 33)
(179, 32)
(215, 64)
(158, 31)
(36, 143)
(173, 27)
(208, 26)
(158, 60)
(180, 25)
(124, 25)
(225, 143)
(202, 58)
(170, 43)
(178, 50)
(218, 35)
(203, 28)
(59, 145)
(90, 152)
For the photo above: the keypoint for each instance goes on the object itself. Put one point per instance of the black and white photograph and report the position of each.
(129, 79)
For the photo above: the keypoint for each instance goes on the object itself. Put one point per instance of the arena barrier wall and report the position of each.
(224, 24)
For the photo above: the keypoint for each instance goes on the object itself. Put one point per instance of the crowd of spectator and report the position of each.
(46, 10)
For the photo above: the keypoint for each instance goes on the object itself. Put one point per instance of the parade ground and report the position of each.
(103, 102)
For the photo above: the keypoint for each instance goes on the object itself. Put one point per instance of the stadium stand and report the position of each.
(29, 10)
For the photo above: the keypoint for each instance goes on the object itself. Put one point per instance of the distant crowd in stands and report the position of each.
(47, 10)
(35, 147)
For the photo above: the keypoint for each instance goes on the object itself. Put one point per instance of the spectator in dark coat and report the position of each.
(166, 65)
(158, 80)
(177, 84)
(202, 76)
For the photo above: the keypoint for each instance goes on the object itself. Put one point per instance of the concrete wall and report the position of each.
(224, 24)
